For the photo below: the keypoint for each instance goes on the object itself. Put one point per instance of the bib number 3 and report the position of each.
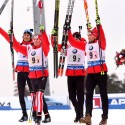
(34, 60)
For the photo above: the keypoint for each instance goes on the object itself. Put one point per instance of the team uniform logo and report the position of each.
(33, 53)
(74, 51)
(91, 48)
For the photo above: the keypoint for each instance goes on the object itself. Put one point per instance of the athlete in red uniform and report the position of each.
(96, 71)
(75, 73)
(22, 69)
(37, 77)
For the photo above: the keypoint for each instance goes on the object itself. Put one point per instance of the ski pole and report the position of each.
(33, 98)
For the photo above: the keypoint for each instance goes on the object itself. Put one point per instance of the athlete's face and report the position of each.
(91, 38)
(26, 37)
(77, 39)
(37, 41)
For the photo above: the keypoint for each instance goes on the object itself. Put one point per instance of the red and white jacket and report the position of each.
(25, 50)
(22, 63)
(75, 59)
(95, 54)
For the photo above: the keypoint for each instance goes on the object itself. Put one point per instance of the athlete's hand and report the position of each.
(42, 28)
(89, 26)
(53, 32)
(9, 32)
(98, 22)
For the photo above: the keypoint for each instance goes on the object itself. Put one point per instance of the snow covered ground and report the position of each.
(63, 117)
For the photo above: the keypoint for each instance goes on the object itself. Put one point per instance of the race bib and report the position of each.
(75, 58)
(92, 55)
(21, 55)
(34, 60)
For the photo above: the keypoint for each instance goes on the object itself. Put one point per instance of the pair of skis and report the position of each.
(11, 35)
(66, 29)
(55, 38)
(11, 39)
(40, 5)
(87, 15)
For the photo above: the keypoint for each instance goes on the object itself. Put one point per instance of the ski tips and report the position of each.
(14, 76)
(30, 121)
(61, 73)
(58, 72)
(85, 5)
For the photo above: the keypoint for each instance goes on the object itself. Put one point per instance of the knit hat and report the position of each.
(77, 35)
(94, 32)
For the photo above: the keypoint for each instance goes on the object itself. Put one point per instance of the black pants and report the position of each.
(40, 85)
(91, 82)
(45, 107)
(76, 93)
(22, 78)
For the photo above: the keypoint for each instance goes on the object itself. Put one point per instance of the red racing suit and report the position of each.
(80, 45)
(24, 51)
(22, 66)
(72, 72)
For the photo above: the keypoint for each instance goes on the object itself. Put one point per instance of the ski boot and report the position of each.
(23, 118)
(82, 120)
(38, 120)
(76, 119)
(87, 119)
(47, 119)
(34, 115)
(103, 122)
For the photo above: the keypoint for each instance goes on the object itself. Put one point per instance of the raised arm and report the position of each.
(4, 34)
(20, 48)
(46, 44)
(102, 38)
(77, 44)
(16, 44)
